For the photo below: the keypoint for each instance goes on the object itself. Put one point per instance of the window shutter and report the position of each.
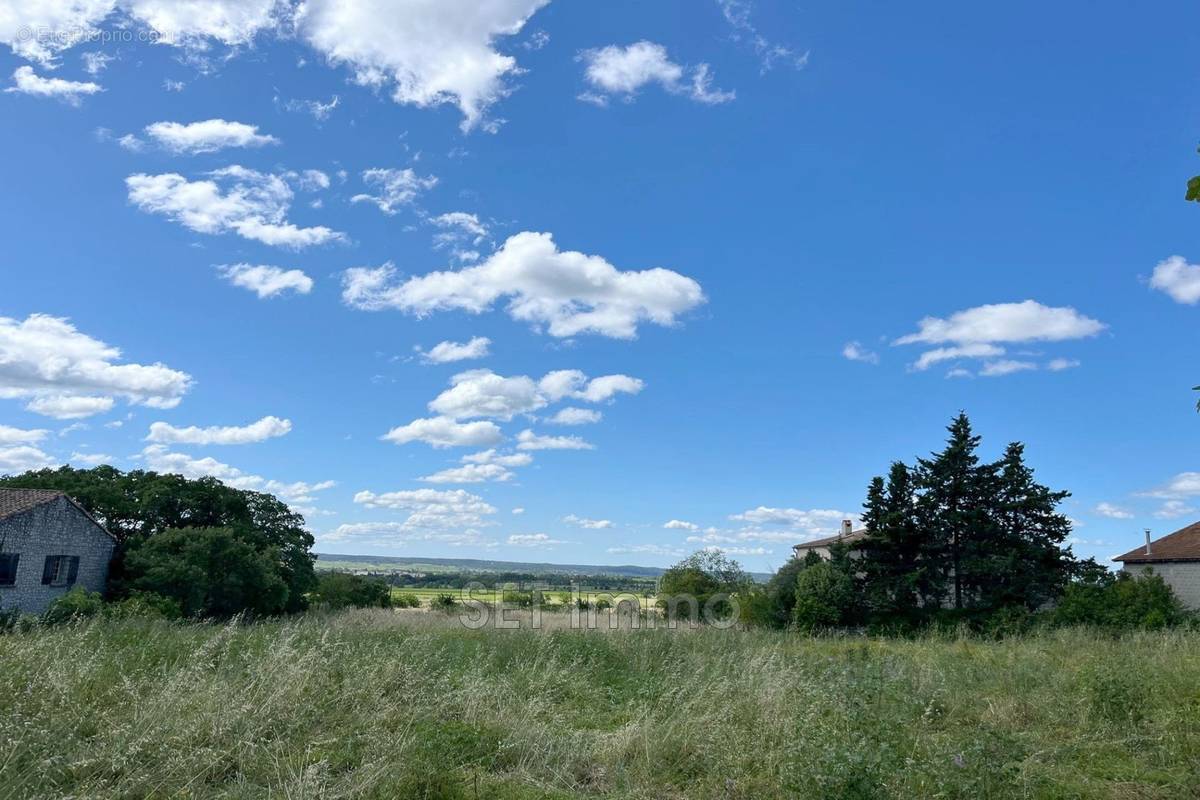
(72, 570)
(49, 570)
(8, 568)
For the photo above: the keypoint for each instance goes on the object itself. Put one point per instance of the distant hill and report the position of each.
(341, 561)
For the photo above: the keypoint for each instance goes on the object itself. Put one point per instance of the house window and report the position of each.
(60, 571)
(8, 568)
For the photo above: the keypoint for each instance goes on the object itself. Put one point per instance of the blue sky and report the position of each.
(790, 241)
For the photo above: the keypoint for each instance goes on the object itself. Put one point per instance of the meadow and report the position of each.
(410, 704)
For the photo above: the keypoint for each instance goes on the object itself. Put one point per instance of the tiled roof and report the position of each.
(849, 538)
(15, 501)
(1182, 545)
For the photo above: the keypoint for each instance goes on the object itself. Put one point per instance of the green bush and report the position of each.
(824, 594)
(343, 590)
(704, 580)
(444, 602)
(1122, 603)
(144, 604)
(406, 600)
(78, 603)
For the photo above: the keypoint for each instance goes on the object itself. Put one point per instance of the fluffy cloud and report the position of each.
(445, 432)
(260, 431)
(299, 495)
(445, 352)
(590, 524)
(528, 440)
(1179, 279)
(1172, 509)
(67, 374)
(428, 509)
(252, 204)
(503, 459)
(266, 281)
(1059, 364)
(681, 525)
(483, 393)
(623, 71)
(470, 473)
(1183, 485)
(1112, 512)
(395, 187)
(398, 534)
(10, 435)
(426, 53)
(26, 81)
(854, 351)
(533, 540)
(189, 23)
(207, 136)
(575, 416)
(568, 292)
(789, 523)
(978, 333)
(457, 228)
(22, 458)
(91, 459)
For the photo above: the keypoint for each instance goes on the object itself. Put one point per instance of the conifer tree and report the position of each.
(900, 569)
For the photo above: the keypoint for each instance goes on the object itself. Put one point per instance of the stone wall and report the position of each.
(1182, 576)
(52, 529)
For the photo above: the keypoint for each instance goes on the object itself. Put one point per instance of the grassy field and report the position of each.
(551, 596)
(385, 704)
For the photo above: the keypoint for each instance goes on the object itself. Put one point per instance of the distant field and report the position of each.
(438, 566)
(383, 705)
(552, 597)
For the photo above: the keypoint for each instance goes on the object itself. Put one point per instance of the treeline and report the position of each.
(547, 580)
(953, 539)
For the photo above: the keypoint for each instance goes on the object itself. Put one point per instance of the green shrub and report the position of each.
(406, 600)
(144, 604)
(444, 602)
(78, 603)
(1123, 603)
(824, 594)
(343, 590)
(705, 580)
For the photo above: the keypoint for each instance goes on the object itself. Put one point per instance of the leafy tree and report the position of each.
(704, 576)
(344, 590)
(209, 571)
(824, 597)
(138, 506)
(1193, 188)
(1121, 603)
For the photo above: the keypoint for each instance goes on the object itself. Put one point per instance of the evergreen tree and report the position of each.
(953, 509)
(900, 571)
(1027, 564)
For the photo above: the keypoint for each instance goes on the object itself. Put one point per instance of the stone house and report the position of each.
(846, 535)
(48, 544)
(1175, 557)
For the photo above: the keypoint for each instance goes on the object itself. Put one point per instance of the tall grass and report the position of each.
(386, 704)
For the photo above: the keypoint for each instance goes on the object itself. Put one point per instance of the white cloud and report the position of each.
(790, 523)
(189, 23)
(483, 393)
(978, 333)
(458, 227)
(739, 551)
(445, 432)
(737, 14)
(207, 136)
(528, 440)
(1179, 279)
(1059, 364)
(1183, 485)
(91, 459)
(648, 549)
(623, 71)
(319, 111)
(260, 431)
(173, 86)
(96, 62)
(569, 292)
(26, 81)
(503, 459)
(398, 534)
(1027, 321)
(518, 511)
(1112, 512)
(433, 508)
(1172, 509)
(470, 473)
(426, 53)
(994, 369)
(10, 435)
(445, 352)
(55, 25)
(22, 458)
(396, 187)
(590, 524)
(854, 351)
(266, 281)
(299, 495)
(533, 540)
(252, 204)
(681, 525)
(67, 374)
(574, 416)
(310, 180)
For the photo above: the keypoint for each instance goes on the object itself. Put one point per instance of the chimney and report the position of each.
(847, 527)
(1147, 541)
